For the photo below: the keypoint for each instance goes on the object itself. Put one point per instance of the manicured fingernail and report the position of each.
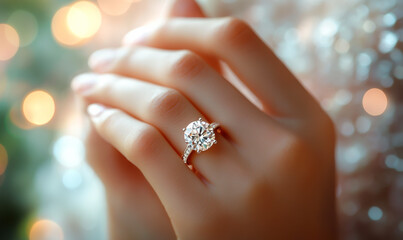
(102, 60)
(83, 83)
(137, 36)
(94, 110)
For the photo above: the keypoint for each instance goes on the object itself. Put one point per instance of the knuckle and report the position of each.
(253, 189)
(168, 103)
(122, 62)
(141, 144)
(159, 30)
(298, 151)
(295, 143)
(187, 65)
(111, 121)
(234, 32)
(105, 83)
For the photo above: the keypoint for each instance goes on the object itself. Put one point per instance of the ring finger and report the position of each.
(167, 110)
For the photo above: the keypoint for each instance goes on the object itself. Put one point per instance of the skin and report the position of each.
(271, 175)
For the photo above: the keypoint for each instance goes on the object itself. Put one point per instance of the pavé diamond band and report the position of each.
(199, 136)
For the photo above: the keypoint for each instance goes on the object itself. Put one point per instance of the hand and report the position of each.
(135, 211)
(271, 173)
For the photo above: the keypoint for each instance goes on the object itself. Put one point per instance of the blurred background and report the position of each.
(348, 53)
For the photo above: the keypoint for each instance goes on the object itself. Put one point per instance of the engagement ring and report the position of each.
(199, 136)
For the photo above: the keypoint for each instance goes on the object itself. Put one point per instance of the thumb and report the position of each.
(184, 8)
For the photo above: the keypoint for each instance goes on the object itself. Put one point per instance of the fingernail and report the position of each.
(94, 110)
(101, 60)
(83, 83)
(137, 36)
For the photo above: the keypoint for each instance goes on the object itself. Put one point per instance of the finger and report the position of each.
(146, 148)
(105, 160)
(108, 163)
(238, 45)
(184, 8)
(188, 73)
(128, 192)
(190, 9)
(167, 110)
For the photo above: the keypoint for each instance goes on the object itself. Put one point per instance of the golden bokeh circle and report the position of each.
(61, 31)
(84, 19)
(375, 102)
(38, 107)
(9, 42)
(45, 230)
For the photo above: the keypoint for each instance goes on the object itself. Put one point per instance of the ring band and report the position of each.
(199, 136)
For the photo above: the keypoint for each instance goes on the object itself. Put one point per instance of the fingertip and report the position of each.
(94, 110)
(139, 35)
(83, 83)
(184, 8)
(102, 59)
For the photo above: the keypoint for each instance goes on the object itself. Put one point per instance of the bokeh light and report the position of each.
(375, 102)
(3, 159)
(60, 29)
(114, 7)
(72, 179)
(38, 107)
(375, 213)
(9, 42)
(26, 25)
(84, 19)
(69, 151)
(45, 230)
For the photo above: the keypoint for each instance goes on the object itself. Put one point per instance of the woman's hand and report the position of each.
(135, 211)
(271, 173)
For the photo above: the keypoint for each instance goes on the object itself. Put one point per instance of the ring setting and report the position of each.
(199, 136)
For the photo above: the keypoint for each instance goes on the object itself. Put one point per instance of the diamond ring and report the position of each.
(199, 136)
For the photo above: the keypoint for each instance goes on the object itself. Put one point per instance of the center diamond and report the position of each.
(199, 135)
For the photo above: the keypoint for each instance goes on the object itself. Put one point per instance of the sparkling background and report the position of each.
(348, 53)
